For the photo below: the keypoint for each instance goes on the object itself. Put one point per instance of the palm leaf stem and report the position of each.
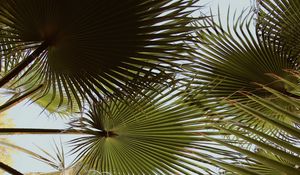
(23, 64)
(26, 131)
(17, 100)
(9, 169)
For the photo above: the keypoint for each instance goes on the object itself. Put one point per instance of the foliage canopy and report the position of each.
(159, 91)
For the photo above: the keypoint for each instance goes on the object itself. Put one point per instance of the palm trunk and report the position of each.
(23, 64)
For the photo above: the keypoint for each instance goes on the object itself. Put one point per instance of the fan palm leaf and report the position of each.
(265, 153)
(154, 133)
(90, 49)
(255, 111)
(17, 98)
(51, 103)
(279, 20)
(233, 59)
(151, 134)
(232, 62)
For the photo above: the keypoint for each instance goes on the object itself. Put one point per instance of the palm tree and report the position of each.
(234, 108)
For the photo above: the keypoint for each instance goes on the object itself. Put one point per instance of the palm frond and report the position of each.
(255, 111)
(232, 59)
(51, 102)
(265, 153)
(279, 20)
(18, 98)
(95, 48)
(151, 134)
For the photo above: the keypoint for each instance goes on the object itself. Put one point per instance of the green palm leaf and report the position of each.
(95, 48)
(233, 59)
(266, 153)
(51, 102)
(151, 134)
(279, 20)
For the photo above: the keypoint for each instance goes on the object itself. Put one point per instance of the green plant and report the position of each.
(160, 91)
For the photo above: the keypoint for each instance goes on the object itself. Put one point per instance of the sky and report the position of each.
(29, 115)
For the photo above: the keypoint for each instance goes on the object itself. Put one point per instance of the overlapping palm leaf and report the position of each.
(275, 107)
(279, 20)
(234, 65)
(267, 153)
(151, 134)
(52, 103)
(90, 49)
(233, 59)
